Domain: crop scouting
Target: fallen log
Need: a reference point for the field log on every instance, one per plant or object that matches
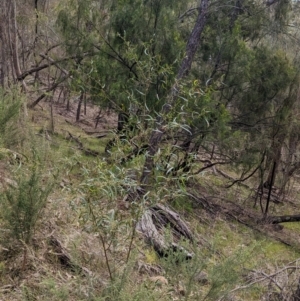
(246, 217)
(153, 224)
(64, 258)
(87, 151)
(283, 219)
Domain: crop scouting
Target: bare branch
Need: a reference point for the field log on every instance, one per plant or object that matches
(53, 87)
(51, 63)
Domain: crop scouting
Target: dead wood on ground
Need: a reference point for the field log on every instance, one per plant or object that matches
(247, 217)
(153, 225)
(64, 258)
(86, 150)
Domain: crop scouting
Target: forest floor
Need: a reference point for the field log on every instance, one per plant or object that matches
(67, 260)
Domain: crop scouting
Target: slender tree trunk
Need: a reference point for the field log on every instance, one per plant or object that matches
(52, 116)
(79, 107)
(290, 165)
(275, 159)
(160, 124)
(14, 43)
(84, 97)
(296, 295)
(2, 55)
(280, 132)
(2, 42)
(36, 19)
(6, 60)
(270, 189)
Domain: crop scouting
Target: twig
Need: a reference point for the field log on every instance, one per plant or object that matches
(87, 151)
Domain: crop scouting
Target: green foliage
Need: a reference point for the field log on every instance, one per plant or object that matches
(281, 14)
(225, 275)
(135, 52)
(101, 192)
(236, 82)
(270, 75)
(23, 201)
(251, 80)
(238, 96)
(10, 104)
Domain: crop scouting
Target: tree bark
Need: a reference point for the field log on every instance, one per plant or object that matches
(164, 215)
(14, 43)
(296, 295)
(6, 59)
(79, 107)
(270, 189)
(154, 220)
(55, 85)
(283, 219)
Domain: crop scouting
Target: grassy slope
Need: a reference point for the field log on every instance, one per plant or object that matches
(230, 254)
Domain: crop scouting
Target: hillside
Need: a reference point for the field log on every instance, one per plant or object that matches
(73, 257)
(149, 150)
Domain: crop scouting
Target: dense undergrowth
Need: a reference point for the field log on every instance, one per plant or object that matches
(68, 234)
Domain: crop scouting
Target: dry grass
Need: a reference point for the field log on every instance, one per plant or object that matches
(35, 272)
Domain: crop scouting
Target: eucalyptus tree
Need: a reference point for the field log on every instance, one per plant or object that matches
(10, 64)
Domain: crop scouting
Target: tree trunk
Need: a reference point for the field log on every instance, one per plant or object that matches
(5, 60)
(79, 107)
(2, 56)
(296, 295)
(270, 189)
(152, 225)
(160, 124)
(290, 162)
(158, 217)
(283, 219)
(52, 116)
(14, 43)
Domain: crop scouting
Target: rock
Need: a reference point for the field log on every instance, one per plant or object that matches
(159, 280)
(277, 227)
(202, 278)
(181, 289)
(150, 269)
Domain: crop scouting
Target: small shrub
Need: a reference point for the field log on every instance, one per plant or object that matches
(10, 105)
(22, 204)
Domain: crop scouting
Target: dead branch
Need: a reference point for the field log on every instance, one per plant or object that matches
(225, 175)
(87, 151)
(53, 87)
(260, 277)
(152, 225)
(244, 216)
(244, 179)
(51, 63)
(209, 164)
(54, 63)
(64, 258)
(283, 219)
